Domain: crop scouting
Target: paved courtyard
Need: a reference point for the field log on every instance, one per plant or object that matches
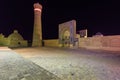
(15, 67)
(75, 64)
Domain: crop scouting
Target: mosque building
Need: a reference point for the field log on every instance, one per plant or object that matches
(13, 40)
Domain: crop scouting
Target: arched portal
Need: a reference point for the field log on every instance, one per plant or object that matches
(66, 38)
(67, 33)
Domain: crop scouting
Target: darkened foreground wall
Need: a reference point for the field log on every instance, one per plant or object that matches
(104, 42)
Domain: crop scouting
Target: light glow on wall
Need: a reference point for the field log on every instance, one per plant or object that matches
(37, 9)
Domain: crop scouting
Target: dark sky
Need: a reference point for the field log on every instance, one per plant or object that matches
(96, 16)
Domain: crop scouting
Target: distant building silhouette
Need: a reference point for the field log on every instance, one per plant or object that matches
(98, 34)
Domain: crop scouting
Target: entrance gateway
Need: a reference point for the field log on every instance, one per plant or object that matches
(67, 34)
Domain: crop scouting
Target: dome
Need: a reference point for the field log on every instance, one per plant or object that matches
(15, 36)
(98, 34)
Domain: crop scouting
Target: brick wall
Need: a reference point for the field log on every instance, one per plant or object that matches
(51, 43)
(105, 42)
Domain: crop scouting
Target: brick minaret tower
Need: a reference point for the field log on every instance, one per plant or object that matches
(37, 32)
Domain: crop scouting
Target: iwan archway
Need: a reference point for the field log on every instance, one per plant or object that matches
(66, 38)
(67, 33)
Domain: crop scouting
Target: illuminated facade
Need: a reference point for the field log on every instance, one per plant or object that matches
(67, 33)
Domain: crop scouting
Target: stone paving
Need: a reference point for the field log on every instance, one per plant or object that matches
(71, 64)
(78, 69)
(15, 67)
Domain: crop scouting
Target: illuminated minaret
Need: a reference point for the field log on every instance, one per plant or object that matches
(37, 32)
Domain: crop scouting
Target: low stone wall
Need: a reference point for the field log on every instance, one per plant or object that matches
(51, 43)
(105, 42)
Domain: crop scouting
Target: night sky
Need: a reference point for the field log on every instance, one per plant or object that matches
(96, 16)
